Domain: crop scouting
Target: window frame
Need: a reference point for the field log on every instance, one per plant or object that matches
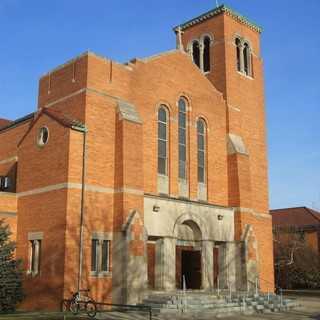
(98, 263)
(246, 59)
(204, 65)
(35, 245)
(198, 43)
(183, 143)
(243, 57)
(202, 150)
(238, 54)
(5, 182)
(209, 56)
(40, 141)
(165, 141)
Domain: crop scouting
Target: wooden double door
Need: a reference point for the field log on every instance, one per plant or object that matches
(188, 267)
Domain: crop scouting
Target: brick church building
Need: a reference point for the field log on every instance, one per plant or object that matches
(133, 177)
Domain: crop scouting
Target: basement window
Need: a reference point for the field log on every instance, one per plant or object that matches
(43, 136)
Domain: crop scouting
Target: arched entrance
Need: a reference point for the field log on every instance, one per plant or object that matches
(188, 254)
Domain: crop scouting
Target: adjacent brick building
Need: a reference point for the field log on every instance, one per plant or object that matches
(136, 176)
(301, 223)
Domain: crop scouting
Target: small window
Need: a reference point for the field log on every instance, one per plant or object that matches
(43, 136)
(35, 256)
(100, 256)
(238, 52)
(206, 54)
(196, 53)
(182, 138)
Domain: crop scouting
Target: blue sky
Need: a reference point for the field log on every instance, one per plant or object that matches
(38, 35)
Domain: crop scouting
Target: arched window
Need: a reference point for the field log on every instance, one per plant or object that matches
(182, 137)
(206, 54)
(246, 59)
(238, 48)
(196, 53)
(163, 140)
(201, 135)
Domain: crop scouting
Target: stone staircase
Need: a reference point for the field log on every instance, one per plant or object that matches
(218, 305)
(265, 303)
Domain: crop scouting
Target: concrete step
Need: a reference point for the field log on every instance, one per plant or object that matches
(196, 303)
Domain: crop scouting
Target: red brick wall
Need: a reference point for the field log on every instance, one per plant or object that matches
(122, 155)
(248, 180)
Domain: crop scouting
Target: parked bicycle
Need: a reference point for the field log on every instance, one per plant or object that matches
(81, 301)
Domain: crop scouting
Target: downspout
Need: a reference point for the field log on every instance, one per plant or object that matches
(84, 131)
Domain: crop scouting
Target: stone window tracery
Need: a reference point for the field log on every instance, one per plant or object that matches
(243, 56)
(200, 53)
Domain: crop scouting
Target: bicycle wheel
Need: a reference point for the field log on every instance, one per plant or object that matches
(74, 307)
(91, 309)
(65, 306)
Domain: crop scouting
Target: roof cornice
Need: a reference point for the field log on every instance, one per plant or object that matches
(219, 10)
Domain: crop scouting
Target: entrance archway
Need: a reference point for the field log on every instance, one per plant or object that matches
(188, 254)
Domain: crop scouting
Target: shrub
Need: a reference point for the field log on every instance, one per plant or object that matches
(11, 292)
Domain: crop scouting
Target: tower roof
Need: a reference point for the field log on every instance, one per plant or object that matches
(216, 11)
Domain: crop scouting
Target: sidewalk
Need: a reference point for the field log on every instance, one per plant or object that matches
(310, 310)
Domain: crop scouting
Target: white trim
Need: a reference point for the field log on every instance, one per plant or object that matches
(35, 235)
(233, 108)
(12, 159)
(8, 214)
(251, 211)
(130, 190)
(82, 90)
(8, 194)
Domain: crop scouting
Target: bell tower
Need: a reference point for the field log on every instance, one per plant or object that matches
(225, 46)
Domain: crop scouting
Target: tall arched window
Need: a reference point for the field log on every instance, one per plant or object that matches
(246, 59)
(196, 53)
(163, 140)
(206, 54)
(201, 135)
(182, 137)
(238, 48)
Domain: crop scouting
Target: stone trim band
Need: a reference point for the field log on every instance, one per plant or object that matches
(78, 186)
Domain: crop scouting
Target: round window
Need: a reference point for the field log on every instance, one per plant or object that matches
(43, 136)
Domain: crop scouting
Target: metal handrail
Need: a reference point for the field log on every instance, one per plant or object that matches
(125, 306)
(269, 282)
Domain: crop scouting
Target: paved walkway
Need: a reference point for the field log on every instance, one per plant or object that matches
(310, 310)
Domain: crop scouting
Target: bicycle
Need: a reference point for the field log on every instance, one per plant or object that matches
(81, 302)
